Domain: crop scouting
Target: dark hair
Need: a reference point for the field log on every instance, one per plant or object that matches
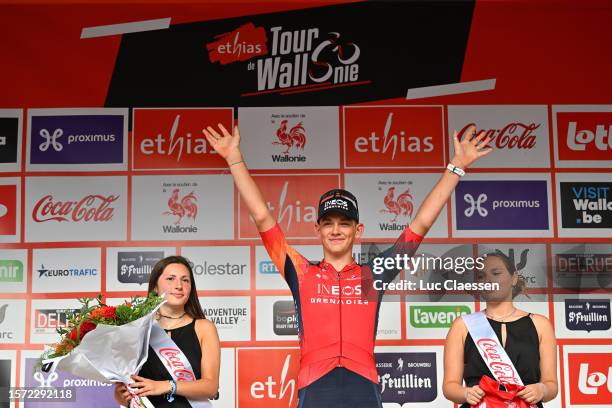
(521, 284)
(192, 307)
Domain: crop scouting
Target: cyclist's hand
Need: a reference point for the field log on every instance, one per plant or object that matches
(225, 144)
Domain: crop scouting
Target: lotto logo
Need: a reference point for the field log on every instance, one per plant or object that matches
(585, 136)
(594, 383)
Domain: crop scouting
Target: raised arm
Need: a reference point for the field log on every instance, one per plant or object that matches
(228, 147)
(467, 152)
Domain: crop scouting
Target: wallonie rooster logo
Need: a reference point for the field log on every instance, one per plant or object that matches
(182, 207)
(296, 136)
(400, 206)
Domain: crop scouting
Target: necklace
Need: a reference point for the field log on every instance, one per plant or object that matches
(175, 325)
(171, 317)
(501, 318)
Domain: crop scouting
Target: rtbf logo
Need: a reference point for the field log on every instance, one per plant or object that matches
(173, 139)
(268, 378)
(594, 383)
(584, 135)
(393, 136)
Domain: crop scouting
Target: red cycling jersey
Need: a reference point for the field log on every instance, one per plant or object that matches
(337, 310)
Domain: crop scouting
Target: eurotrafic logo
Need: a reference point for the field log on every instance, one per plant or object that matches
(11, 270)
(436, 316)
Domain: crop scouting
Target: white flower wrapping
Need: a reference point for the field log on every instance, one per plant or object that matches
(110, 354)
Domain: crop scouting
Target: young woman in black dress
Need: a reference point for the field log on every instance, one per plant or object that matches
(183, 320)
(529, 341)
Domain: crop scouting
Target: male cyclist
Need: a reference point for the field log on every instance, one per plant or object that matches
(336, 304)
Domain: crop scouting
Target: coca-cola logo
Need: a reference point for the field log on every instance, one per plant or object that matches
(515, 135)
(502, 371)
(174, 360)
(91, 208)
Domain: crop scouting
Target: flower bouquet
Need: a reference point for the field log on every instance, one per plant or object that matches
(105, 343)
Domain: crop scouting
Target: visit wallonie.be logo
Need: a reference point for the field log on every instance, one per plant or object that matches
(586, 205)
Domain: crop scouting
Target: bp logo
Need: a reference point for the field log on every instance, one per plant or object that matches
(436, 316)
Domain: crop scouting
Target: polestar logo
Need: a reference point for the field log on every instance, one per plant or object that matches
(2, 140)
(475, 205)
(51, 140)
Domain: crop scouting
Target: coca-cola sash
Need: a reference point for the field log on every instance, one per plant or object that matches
(489, 347)
(174, 360)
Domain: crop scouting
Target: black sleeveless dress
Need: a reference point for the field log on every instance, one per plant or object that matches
(186, 339)
(522, 346)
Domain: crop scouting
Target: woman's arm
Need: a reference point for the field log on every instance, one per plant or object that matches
(452, 385)
(208, 385)
(547, 388)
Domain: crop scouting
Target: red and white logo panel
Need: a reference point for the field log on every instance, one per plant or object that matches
(267, 377)
(588, 375)
(519, 133)
(173, 139)
(72, 209)
(10, 209)
(393, 136)
(182, 207)
(388, 202)
(582, 135)
(293, 201)
(290, 137)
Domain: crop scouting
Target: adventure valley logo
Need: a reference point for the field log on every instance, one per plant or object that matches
(289, 58)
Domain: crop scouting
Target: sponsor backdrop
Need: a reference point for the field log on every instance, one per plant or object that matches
(104, 170)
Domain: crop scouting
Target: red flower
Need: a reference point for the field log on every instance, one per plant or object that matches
(86, 327)
(104, 312)
(63, 348)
